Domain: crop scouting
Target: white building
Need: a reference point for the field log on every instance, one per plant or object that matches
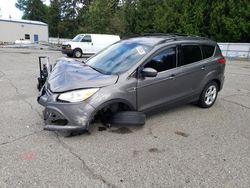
(12, 29)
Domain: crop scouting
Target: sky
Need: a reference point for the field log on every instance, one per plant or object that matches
(8, 9)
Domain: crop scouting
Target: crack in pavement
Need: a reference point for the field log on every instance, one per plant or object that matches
(241, 74)
(3, 74)
(233, 102)
(19, 95)
(87, 170)
(236, 103)
(19, 138)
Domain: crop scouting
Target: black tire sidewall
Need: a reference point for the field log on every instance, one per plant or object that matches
(70, 55)
(202, 97)
(77, 50)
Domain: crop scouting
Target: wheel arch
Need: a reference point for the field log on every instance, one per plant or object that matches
(115, 101)
(111, 102)
(211, 76)
(218, 82)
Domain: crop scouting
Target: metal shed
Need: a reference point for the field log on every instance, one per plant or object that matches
(13, 29)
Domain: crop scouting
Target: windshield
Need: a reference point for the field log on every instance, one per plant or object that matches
(119, 57)
(77, 38)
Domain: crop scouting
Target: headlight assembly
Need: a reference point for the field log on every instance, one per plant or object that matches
(78, 95)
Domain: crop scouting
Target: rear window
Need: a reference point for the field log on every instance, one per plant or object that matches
(208, 51)
(191, 54)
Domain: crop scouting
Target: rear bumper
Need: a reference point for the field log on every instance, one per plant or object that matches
(59, 116)
(222, 82)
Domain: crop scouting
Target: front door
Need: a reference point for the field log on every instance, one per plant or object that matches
(166, 86)
(87, 45)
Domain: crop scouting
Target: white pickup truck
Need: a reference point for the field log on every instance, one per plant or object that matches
(88, 44)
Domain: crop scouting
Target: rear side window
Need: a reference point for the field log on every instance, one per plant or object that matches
(86, 38)
(208, 51)
(165, 60)
(191, 54)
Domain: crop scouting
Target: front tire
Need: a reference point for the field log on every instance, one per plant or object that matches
(209, 95)
(77, 53)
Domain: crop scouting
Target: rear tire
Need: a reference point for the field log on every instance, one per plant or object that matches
(209, 95)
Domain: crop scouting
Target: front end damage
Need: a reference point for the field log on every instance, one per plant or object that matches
(67, 88)
(63, 116)
(60, 115)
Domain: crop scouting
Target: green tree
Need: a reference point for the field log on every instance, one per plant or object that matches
(69, 15)
(102, 17)
(127, 14)
(33, 10)
(222, 20)
(230, 20)
(55, 18)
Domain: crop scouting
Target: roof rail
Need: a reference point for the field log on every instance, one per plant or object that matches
(165, 34)
(181, 37)
(156, 34)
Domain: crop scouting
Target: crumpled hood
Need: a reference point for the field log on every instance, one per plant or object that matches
(71, 75)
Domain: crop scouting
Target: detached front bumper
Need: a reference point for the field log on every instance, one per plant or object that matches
(60, 116)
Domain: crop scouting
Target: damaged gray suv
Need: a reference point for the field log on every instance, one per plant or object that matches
(133, 75)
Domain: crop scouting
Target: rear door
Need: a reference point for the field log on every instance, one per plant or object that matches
(194, 69)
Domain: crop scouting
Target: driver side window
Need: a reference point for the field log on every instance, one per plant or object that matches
(163, 61)
(86, 38)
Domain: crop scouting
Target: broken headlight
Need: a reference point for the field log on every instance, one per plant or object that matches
(78, 95)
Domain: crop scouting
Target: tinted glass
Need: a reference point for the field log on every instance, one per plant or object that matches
(77, 38)
(27, 36)
(165, 60)
(208, 51)
(191, 54)
(86, 38)
(118, 57)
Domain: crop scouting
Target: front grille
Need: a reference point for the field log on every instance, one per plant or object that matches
(55, 118)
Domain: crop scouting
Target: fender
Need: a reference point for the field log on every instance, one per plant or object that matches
(213, 75)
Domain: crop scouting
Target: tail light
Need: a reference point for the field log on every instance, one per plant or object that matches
(222, 60)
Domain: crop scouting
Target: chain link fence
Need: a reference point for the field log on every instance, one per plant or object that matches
(235, 50)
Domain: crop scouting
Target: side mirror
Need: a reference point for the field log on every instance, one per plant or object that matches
(149, 72)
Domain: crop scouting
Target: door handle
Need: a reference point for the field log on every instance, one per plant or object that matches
(203, 68)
